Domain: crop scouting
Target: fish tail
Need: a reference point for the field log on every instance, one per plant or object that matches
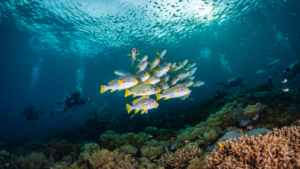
(103, 89)
(157, 96)
(128, 107)
(127, 93)
(132, 62)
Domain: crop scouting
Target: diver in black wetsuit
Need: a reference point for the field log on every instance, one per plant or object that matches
(235, 82)
(294, 69)
(30, 114)
(70, 102)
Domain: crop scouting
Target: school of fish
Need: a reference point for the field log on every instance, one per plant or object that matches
(154, 78)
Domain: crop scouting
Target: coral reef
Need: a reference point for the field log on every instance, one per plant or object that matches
(252, 110)
(278, 149)
(112, 140)
(181, 158)
(128, 149)
(33, 161)
(59, 149)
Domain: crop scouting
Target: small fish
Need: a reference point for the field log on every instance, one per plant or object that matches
(284, 81)
(162, 54)
(177, 68)
(259, 71)
(192, 71)
(144, 103)
(191, 78)
(153, 80)
(186, 141)
(198, 83)
(166, 78)
(174, 92)
(163, 85)
(249, 127)
(7, 164)
(142, 60)
(122, 72)
(286, 89)
(161, 70)
(184, 97)
(173, 65)
(142, 76)
(149, 135)
(174, 81)
(142, 89)
(191, 65)
(153, 157)
(154, 63)
(241, 131)
(273, 61)
(184, 62)
(120, 83)
(133, 54)
(188, 83)
(220, 144)
(142, 66)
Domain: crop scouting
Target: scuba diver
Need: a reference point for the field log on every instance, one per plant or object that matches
(235, 82)
(30, 114)
(294, 69)
(70, 102)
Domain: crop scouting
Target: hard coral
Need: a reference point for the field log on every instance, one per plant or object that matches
(107, 159)
(128, 149)
(278, 149)
(32, 161)
(181, 158)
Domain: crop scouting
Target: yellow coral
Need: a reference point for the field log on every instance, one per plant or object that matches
(251, 110)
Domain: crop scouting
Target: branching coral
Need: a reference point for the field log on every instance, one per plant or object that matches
(278, 149)
(181, 158)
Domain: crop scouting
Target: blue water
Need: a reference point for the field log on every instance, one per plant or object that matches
(48, 48)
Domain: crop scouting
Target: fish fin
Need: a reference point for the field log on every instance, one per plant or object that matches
(134, 95)
(128, 107)
(112, 90)
(156, 71)
(137, 54)
(144, 105)
(166, 98)
(180, 63)
(164, 91)
(136, 111)
(138, 59)
(120, 89)
(144, 111)
(158, 53)
(150, 63)
(103, 89)
(145, 96)
(157, 96)
(175, 71)
(111, 82)
(177, 91)
(189, 64)
(129, 54)
(127, 93)
(120, 81)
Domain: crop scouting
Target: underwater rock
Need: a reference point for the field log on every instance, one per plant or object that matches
(234, 135)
